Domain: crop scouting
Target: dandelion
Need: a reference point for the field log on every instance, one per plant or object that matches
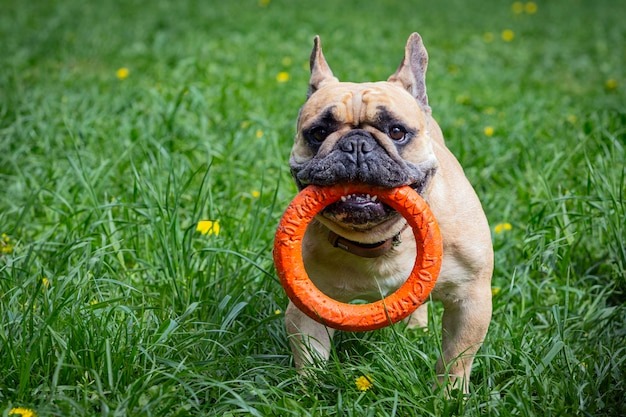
(363, 383)
(122, 73)
(495, 291)
(277, 311)
(256, 194)
(264, 3)
(22, 412)
(610, 84)
(507, 35)
(488, 130)
(502, 227)
(45, 282)
(517, 7)
(530, 7)
(208, 227)
(6, 247)
(259, 134)
(282, 77)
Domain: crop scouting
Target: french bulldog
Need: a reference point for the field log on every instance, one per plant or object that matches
(383, 134)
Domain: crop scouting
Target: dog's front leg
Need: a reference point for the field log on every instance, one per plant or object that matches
(310, 341)
(465, 323)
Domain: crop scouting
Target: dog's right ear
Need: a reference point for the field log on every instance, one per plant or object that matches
(320, 71)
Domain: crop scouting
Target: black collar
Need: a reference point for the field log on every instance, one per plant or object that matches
(364, 250)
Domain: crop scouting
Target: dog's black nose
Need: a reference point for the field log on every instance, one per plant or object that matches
(357, 144)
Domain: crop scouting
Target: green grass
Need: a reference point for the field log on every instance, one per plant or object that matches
(104, 180)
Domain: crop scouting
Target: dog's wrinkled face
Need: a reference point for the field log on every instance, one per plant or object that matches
(369, 133)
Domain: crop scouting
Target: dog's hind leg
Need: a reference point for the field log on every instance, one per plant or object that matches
(465, 322)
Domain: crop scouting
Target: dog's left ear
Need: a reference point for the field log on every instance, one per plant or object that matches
(411, 74)
(320, 71)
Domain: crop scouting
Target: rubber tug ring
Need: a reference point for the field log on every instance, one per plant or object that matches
(357, 317)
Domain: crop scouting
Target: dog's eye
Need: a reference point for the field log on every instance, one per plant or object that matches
(318, 133)
(397, 133)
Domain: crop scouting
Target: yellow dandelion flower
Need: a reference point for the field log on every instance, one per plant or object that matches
(256, 194)
(502, 227)
(6, 247)
(208, 227)
(489, 130)
(488, 37)
(530, 7)
(611, 84)
(517, 7)
(259, 134)
(508, 35)
(277, 311)
(364, 382)
(122, 73)
(22, 412)
(495, 291)
(282, 77)
(264, 3)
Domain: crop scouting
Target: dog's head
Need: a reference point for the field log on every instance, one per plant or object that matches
(370, 133)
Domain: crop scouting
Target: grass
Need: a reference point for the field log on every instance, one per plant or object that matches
(111, 302)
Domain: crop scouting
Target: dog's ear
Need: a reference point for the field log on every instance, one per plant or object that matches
(411, 74)
(320, 71)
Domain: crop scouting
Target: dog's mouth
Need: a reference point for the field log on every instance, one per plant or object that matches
(360, 211)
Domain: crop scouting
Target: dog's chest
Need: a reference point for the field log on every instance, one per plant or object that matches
(347, 277)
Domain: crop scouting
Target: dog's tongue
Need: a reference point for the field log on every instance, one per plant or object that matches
(358, 209)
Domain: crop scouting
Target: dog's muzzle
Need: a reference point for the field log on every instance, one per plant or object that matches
(356, 158)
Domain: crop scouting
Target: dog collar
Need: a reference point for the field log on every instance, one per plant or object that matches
(364, 250)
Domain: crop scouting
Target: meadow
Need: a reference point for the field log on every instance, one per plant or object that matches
(143, 170)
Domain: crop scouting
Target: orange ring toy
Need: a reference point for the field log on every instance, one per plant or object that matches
(357, 317)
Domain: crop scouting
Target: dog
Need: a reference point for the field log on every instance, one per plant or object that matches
(383, 134)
